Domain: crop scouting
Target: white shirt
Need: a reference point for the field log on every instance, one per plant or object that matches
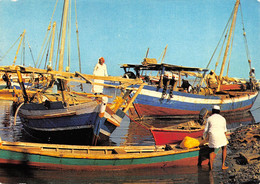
(216, 128)
(100, 70)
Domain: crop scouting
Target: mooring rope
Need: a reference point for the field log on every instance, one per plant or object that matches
(255, 109)
(16, 112)
(141, 124)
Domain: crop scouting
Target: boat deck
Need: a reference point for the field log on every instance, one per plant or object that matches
(94, 152)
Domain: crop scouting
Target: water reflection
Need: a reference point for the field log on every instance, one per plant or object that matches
(5, 118)
(152, 175)
(129, 133)
(238, 120)
(8, 132)
(138, 135)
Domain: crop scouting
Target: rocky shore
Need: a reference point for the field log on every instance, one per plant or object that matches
(243, 158)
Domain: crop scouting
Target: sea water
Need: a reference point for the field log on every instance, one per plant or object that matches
(129, 133)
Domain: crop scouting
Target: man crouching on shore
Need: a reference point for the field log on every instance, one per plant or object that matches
(215, 130)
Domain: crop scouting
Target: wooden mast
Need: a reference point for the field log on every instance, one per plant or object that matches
(52, 44)
(228, 44)
(63, 34)
(17, 51)
(62, 48)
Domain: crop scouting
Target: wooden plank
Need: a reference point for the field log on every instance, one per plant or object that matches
(70, 113)
(133, 98)
(249, 158)
(120, 151)
(13, 69)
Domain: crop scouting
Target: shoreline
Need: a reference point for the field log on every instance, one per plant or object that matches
(243, 157)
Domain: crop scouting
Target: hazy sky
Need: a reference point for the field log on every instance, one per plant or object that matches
(122, 30)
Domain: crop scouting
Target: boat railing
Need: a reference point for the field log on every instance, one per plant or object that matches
(78, 150)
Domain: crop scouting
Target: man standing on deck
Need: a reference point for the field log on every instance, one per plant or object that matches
(215, 130)
(99, 70)
(212, 79)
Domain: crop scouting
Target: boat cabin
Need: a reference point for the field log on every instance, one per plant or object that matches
(175, 78)
(165, 75)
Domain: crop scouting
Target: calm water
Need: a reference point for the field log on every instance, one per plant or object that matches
(129, 133)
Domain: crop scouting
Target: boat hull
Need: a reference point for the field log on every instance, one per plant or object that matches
(164, 136)
(149, 103)
(60, 124)
(35, 157)
(74, 136)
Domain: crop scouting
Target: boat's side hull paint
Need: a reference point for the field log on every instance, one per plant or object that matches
(149, 103)
(65, 123)
(162, 136)
(43, 161)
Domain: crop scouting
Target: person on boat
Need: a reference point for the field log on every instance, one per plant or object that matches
(186, 85)
(169, 80)
(252, 80)
(212, 79)
(7, 79)
(99, 70)
(215, 130)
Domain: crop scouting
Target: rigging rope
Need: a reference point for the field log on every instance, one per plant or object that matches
(223, 44)
(46, 46)
(46, 58)
(223, 33)
(220, 38)
(23, 52)
(61, 22)
(31, 52)
(231, 48)
(77, 32)
(10, 48)
(160, 56)
(245, 39)
(46, 35)
(44, 41)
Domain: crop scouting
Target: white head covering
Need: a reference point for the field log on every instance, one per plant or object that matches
(216, 107)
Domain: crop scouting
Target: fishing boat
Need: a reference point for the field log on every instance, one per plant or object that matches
(51, 156)
(10, 88)
(64, 115)
(176, 133)
(169, 95)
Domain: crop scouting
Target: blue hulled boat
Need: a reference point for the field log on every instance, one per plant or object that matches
(167, 95)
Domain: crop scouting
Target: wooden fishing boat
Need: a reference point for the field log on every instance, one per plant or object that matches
(169, 98)
(164, 134)
(152, 103)
(175, 134)
(69, 116)
(49, 156)
(10, 87)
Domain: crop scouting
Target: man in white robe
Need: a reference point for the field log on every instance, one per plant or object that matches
(99, 70)
(216, 129)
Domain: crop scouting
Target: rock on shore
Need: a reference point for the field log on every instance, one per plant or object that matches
(244, 156)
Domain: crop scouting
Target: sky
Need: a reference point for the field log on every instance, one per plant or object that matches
(121, 31)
